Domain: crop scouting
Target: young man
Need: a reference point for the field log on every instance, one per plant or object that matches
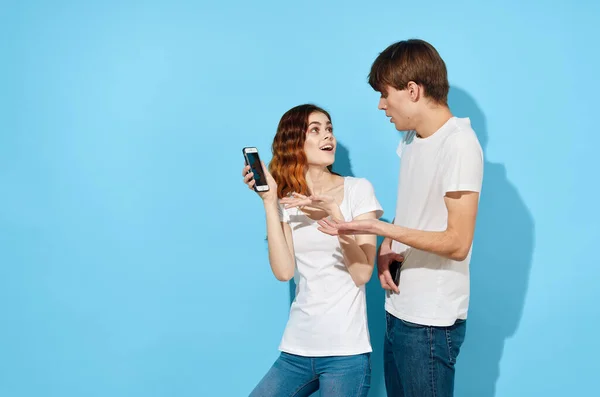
(441, 172)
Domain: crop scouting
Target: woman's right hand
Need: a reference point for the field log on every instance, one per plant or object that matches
(268, 196)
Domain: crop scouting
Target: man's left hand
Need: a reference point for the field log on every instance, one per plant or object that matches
(335, 228)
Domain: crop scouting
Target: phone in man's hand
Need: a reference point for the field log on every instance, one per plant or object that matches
(395, 271)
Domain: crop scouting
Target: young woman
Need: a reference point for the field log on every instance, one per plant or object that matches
(326, 343)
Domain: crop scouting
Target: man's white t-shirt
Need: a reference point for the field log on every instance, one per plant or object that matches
(434, 290)
(329, 314)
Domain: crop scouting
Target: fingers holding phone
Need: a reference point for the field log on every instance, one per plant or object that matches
(248, 177)
(388, 267)
(388, 277)
(257, 176)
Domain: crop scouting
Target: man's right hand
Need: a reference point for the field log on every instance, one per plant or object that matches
(386, 256)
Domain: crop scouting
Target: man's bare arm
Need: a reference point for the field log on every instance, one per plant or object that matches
(454, 242)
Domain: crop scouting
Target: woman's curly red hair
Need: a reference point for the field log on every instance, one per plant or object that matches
(288, 165)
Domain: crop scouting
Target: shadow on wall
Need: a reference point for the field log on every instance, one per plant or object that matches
(500, 266)
(375, 295)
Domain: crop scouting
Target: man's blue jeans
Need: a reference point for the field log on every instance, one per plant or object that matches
(419, 360)
(297, 376)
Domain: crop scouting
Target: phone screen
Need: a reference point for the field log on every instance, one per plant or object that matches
(257, 170)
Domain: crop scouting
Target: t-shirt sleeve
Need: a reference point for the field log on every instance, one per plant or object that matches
(365, 199)
(463, 170)
(283, 214)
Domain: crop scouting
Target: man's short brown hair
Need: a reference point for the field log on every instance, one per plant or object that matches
(411, 60)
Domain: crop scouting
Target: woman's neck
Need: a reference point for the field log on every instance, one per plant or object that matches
(319, 179)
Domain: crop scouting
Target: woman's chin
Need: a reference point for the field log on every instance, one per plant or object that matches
(328, 159)
(321, 163)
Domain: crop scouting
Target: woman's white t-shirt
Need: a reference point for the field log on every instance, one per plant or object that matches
(328, 317)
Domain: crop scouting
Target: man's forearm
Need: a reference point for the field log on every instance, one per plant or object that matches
(387, 241)
(446, 243)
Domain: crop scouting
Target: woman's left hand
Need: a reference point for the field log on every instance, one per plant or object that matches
(322, 202)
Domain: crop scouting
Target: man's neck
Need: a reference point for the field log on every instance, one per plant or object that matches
(433, 120)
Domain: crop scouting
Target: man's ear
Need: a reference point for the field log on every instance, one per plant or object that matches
(414, 91)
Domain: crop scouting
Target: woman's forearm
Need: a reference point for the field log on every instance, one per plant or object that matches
(355, 257)
(280, 250)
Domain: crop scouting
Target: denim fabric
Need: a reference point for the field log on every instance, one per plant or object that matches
(419, 360)
(297, 376)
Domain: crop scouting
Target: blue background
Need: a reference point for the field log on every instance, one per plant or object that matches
(132, 257)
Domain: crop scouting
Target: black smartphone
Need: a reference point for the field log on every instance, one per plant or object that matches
(253, 160)
(395, 271)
